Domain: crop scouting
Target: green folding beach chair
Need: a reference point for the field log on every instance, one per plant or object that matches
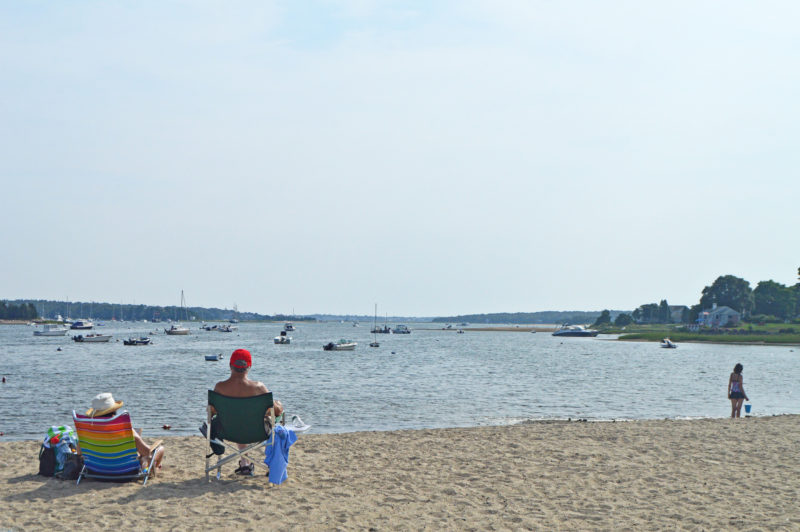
(245, 420)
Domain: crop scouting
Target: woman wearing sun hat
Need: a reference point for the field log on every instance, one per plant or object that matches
(104, 405)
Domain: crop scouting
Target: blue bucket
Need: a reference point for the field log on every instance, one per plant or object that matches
(747, 408)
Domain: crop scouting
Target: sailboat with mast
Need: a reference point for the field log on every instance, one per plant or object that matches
(374, 342)
(381, 330)
(176, 329)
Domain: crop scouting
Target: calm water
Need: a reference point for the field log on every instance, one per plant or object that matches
(428, 379)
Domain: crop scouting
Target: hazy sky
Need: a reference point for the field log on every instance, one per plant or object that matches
(434, 157)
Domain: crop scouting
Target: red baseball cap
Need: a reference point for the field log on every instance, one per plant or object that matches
(241, 359)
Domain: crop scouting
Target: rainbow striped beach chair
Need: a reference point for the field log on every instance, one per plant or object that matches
(108, 448)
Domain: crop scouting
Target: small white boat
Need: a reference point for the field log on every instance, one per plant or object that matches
(401, 329)
(92, 338)
(668, 344)
(177, 330)
(341, 345)
(227, 328)
(216, 357)
(81, 325)
(283, 338)
(142, 340)
(288, 326)
(51, 330)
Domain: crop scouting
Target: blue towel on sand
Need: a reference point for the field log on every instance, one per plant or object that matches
(277, 454)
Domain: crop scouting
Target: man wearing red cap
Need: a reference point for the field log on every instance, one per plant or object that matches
(238, 385)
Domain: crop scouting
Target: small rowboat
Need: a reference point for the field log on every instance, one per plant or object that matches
(214, 358)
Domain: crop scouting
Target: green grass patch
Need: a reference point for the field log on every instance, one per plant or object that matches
(677, 336)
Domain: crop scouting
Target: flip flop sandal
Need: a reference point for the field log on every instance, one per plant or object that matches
(245, 470)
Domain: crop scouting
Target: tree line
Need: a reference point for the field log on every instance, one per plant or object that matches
(548, 316)
(23, 311)
(49, 310)
(767, 302)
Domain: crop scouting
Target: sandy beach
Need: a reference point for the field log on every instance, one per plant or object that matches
(716, 474)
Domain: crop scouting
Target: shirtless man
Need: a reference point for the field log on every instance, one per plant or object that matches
(238, 385)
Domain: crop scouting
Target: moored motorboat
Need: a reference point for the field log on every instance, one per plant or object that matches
(283, 338)
(177, 330)
(81, 325)
(341, 345)
(668, 344)
(142, 340)
(575, 330)
(92, 338)
(401, 329)
(227, 328)
(288, 326)
(51, 330)
(214, 357)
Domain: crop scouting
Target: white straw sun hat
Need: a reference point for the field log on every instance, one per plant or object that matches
(102, 404)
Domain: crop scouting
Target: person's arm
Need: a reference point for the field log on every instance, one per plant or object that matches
(730, 382)
(741, 387)
(216, 389)
(141, 446)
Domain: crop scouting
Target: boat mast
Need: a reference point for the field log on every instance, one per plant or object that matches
(183, 306)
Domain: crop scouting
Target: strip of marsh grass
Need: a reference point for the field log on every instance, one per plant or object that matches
(714, 338)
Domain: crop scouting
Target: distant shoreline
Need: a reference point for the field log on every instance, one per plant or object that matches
(504, 328)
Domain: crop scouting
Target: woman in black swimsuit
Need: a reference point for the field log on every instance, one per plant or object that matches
(736, 391)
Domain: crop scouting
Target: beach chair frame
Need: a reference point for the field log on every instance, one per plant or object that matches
(244, 420)
(109, 449)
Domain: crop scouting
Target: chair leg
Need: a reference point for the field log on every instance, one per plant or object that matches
(208, 438)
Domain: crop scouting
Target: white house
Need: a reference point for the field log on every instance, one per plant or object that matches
(719, 317)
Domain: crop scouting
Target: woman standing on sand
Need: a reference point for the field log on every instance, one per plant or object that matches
(736, 391)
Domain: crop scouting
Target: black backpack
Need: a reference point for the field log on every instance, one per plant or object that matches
(216, 448)
(47, 461)
(73, 464)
